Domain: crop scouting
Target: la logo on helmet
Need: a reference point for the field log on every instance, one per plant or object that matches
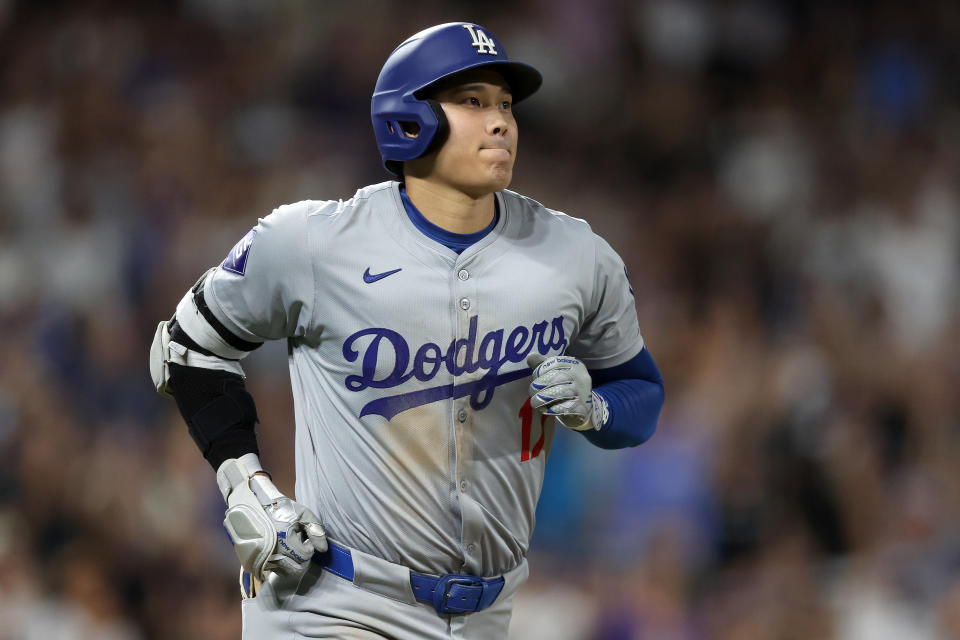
(481, 41)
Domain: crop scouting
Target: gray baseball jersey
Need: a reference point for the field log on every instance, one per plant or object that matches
(415, 440)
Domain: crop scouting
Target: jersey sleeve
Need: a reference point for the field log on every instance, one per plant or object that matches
(264, 288)
(610, 334)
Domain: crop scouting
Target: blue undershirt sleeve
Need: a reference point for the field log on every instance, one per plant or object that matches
(634, 395)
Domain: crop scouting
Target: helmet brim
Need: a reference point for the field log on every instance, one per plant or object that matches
(522, 79)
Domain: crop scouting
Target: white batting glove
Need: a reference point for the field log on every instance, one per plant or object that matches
(270, 532)
(562, 387)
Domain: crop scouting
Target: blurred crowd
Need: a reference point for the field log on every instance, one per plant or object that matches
(782, 179)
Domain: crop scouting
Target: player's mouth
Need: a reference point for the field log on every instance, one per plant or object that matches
(496, 152)
(496, 144)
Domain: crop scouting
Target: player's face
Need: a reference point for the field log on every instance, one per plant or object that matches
(478, 155)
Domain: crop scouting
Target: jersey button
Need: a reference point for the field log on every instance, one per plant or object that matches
(462, 415)
(464, 303)
(464, 274)
(471, 548)
(463, 485)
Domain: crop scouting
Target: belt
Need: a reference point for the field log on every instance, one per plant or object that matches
(450, 594)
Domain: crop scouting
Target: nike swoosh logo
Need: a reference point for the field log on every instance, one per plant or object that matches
(370, 278)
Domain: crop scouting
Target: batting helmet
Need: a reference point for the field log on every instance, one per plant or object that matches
(421, 61)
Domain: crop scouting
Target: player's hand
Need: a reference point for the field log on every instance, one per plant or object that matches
(562, 387)
(270, 532)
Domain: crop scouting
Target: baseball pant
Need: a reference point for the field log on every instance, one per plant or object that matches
(325, 605)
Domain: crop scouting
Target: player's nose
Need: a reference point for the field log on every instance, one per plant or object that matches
(497, 124)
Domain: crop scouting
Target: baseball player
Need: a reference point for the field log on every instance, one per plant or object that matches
(437, 325)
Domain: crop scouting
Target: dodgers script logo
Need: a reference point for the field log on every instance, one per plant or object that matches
(465, 355)
(481, 41)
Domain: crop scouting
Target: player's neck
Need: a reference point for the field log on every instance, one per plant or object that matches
(450, 208)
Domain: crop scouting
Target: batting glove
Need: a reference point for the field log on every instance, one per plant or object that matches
(562, 387)
(270, 532)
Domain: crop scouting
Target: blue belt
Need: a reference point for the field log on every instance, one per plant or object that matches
(449, 594)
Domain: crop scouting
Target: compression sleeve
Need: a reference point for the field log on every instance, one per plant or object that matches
(634, 395)
(219, 411)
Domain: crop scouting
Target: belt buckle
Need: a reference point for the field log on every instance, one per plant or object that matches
(440, 593)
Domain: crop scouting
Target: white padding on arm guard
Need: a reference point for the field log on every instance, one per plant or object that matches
(159, 357)
(197, 327)
(163, 351)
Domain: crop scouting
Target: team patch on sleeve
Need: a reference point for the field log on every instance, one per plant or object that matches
(236, 260)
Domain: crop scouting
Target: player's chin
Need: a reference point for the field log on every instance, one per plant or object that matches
(499, 174)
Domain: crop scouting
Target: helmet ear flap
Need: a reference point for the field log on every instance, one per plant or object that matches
(439, 137)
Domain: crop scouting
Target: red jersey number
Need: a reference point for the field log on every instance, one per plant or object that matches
(526, 422)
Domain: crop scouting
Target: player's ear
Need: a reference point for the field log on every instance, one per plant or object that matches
(410, 129)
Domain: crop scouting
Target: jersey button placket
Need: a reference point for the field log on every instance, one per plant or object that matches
(464, 294)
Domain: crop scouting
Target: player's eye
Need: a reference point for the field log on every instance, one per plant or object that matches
(506, 105)
(473, 101)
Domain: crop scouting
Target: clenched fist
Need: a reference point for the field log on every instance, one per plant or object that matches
(562, 387)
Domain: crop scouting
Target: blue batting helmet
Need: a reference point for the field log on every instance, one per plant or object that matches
(423, 60)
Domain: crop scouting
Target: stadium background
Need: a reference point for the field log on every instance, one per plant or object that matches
(780, 177)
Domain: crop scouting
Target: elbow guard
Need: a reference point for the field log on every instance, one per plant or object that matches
(219, 411)
(194, 337)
